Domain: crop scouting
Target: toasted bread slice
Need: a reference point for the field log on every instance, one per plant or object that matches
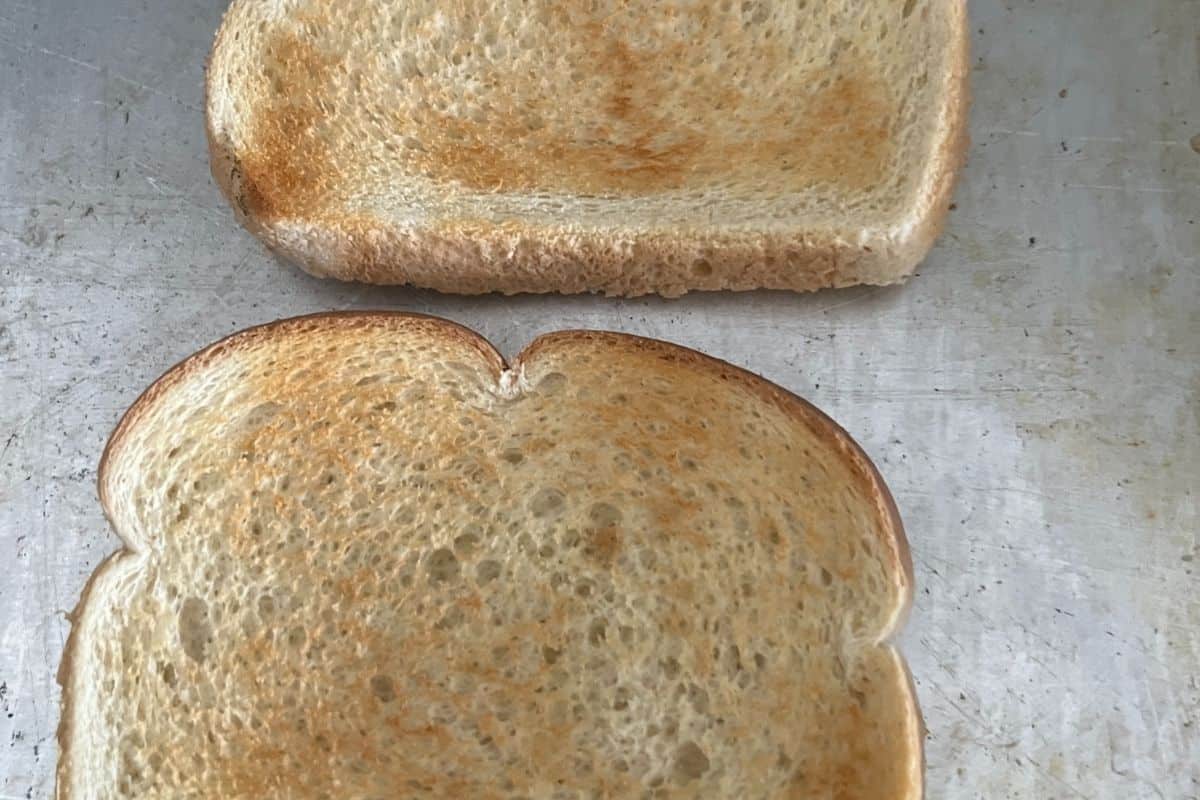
(626, 147)
(365, 558)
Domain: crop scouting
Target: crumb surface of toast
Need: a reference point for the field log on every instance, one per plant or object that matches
(366, 558)
(627, 147)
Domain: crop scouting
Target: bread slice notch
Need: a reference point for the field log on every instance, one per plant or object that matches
(365, 558)
(621, 147)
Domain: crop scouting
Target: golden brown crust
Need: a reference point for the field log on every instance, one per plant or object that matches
(917, 731)
(952, 153)
(66, 668)
(220, 155)
(478, 256)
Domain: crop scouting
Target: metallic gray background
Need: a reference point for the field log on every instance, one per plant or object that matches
(1033, 398)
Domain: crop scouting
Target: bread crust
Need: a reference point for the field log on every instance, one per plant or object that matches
(64, 735)
(952, 153)
(475, 255)
(888, 521)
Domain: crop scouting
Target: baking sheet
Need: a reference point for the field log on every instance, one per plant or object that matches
(1032, 398)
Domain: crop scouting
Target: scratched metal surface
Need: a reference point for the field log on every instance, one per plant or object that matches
(1033, 398)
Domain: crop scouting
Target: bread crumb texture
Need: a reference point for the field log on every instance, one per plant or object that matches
(358, 136)
(358, 569)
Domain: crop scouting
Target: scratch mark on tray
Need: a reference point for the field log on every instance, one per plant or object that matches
(1008, 132)
(1048, 774)
(863, 295)
(1114, 188)
(97, 69)
(154, 184)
